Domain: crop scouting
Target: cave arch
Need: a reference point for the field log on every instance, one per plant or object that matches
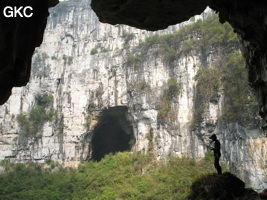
(113, 133)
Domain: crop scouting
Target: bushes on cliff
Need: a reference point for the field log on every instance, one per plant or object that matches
(135, 60)
(31, 122)
(208, 83)
(172, 90)
(67, 59)
(127, 38)
(239, 103)
(201, 36)
(230, 78)
(227, 73)
(93, 51)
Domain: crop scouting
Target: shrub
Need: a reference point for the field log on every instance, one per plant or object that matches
(165, 112)
(67, 59)
(127, 37)
(104, 50)
(239, 101)
(208, 81)
(32, 122)
(173, 88)
(70, 60)
(93, 51)
(142, 85)
(135, 60)
(170, 56)
(199, 36)
(230, 75)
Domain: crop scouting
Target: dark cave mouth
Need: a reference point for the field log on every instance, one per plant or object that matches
(112, 134)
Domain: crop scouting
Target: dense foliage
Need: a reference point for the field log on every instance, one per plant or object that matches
(240, 104)
(120, 176)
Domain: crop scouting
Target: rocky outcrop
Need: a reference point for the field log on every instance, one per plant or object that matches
(220, 187)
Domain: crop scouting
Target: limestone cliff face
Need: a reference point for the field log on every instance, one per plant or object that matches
(91, 73)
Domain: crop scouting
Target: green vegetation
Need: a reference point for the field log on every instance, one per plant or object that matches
(142, 85)
(149, 137)
(239, 103)
(88, 115)
(165, 112)
(98, 94)
(67, 59)
(53, 57)
(93, 51)
(39, 67)
(32, 122)
(230, 76)
(104, 50)
(227, 73)
(30, 181)
(135, 60)
(127, 38)
(70, 60)
(120, 176)
(173, 88)
(200, 36)
(208, 83)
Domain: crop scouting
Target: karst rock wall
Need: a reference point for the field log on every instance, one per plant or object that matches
(84, 83)
(247, 18)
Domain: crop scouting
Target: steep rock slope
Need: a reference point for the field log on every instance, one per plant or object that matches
(86, 74)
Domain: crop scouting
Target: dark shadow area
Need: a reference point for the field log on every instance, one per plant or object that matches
(110, 135)
(221, 187)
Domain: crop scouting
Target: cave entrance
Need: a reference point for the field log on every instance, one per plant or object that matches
(112, 134)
